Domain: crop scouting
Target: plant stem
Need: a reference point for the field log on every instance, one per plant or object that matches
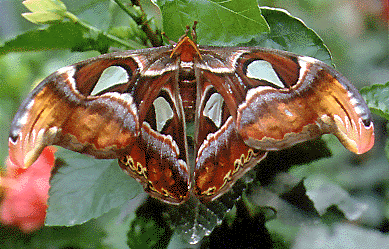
(127, 44)
(155, 39)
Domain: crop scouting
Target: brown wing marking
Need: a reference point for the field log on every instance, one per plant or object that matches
(221, 160)
(56, 112)
(320, 101)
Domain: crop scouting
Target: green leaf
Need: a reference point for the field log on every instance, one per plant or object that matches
(341, 235)
(65, 35)
(128, 33)
(283, 160)
(149, 229)
(325, 194)
(88, 235)
(377, 98)
(42, 17)
(44, 11)
(153, 12)
(83, 188)
(220, 22)
(44, 5)
(291, 34)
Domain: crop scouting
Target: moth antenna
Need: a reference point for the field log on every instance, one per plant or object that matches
(182, 37)
(187, 29)
(194, 34)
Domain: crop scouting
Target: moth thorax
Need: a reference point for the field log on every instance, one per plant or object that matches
(186, 73)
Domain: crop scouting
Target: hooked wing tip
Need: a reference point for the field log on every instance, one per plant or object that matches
(357, 138)
(22, 156)
(366, 140)
(15, 153)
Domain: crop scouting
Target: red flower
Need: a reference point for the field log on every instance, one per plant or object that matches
(385, 10)
(26, 191)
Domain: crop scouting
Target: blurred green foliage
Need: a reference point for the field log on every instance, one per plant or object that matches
(355, 32)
